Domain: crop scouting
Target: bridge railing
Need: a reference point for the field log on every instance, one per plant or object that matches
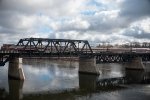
(121, 50)
(9, 51)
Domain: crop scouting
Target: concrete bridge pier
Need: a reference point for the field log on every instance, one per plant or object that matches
(15, 70)
(87, 65)
(135, 64)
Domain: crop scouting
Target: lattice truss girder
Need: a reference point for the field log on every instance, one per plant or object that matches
(41, 45)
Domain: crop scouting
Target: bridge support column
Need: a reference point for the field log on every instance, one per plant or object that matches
(88, 65)
(15, 70)
(135, 64)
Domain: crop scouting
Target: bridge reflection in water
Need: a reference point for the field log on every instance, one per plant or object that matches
(84, 86)
(88, 84)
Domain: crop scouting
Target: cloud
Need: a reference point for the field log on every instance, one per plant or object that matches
(94, 20)
(28, 16)
(104, 21)
(136, 32)
(70, 24)
(135, 9)
(53, 8)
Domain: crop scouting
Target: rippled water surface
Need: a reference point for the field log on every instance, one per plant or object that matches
(59, 80)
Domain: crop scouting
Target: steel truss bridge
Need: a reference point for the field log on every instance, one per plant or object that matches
(44, 47)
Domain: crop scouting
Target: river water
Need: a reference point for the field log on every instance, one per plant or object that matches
(59, 80)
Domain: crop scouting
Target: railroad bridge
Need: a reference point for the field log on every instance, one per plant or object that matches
(44, 47)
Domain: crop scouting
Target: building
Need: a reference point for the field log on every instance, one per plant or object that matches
(8, 47)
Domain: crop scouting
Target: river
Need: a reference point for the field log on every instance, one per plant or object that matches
(59, 80)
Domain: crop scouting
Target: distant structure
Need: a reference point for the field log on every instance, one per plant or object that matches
(126, 45)
(8, 47)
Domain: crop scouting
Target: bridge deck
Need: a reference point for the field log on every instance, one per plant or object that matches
(100, 57)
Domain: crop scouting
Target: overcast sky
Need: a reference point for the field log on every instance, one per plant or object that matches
(115, 21)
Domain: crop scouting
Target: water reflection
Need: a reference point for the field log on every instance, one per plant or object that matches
(59, 80)
(111, 70)
(137, 76)
(92, 83)
(15, 90)
(88, 84)
(50, 76)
